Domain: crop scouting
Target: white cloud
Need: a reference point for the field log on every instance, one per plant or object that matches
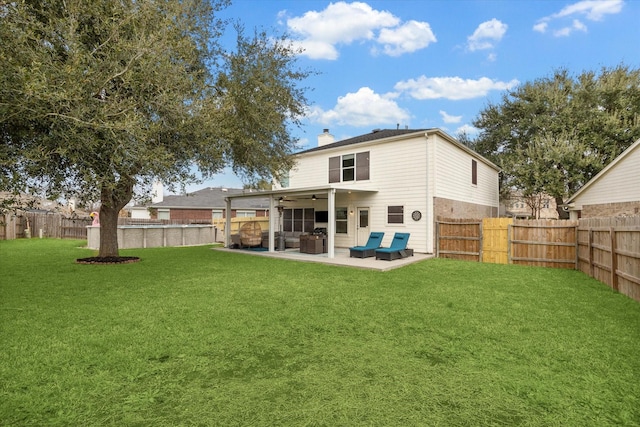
(448, 118)
(454, 88)
(316, 49)
(566, 31)
(592, 10)
(363, 108)
(541, 27)
(321, 33)
(407, 38)
(468, 130)
(487, 34)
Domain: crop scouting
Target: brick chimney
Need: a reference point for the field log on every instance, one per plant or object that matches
(325, 138)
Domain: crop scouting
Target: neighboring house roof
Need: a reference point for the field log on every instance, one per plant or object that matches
(380, 134)
(599, 177)
(211, 198)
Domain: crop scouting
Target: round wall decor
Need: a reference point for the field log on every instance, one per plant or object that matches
(416, 215)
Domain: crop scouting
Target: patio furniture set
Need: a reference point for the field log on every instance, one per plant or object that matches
(397, 249)
(251, 236)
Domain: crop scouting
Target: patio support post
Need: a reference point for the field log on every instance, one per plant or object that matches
(273, 212)
(331, 226)
(227, 223)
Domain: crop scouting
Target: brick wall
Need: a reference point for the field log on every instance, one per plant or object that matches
(611, 209)
(201, 214)
(448, 208)
(190, 214)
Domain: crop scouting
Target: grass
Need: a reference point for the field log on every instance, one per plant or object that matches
(191, 336)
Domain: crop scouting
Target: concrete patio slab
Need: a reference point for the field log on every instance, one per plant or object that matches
(341, 258)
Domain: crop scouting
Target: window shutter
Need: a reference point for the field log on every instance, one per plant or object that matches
(362, 166)
(334, 169)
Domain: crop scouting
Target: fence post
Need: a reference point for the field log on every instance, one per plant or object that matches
(437, 239)
(509, 243)
(480, 241)
(577, 248)
(590, 247)
(614, 259)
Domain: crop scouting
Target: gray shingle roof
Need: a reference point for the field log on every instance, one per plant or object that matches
(211, 198)
(372, 136)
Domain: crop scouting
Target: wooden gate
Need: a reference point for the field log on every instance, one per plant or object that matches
(495, 242)
(459, 239)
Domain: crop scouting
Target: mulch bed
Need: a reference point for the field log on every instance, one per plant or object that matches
(108, 260)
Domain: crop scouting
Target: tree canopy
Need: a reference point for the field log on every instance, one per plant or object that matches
(554, 134)
(98, 98)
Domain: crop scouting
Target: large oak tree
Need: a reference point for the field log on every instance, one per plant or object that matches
(98, 98)
(554, 134)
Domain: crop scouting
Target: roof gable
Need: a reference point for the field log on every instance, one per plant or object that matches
(626, 153)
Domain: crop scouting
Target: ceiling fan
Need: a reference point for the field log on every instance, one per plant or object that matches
(284, 199)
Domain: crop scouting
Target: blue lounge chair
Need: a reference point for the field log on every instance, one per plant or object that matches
(368, 250)
(398, 248)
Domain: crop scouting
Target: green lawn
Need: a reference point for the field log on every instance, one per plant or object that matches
(192, 336)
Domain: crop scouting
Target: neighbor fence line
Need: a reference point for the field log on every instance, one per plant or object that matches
(607, 249)
(38, 224)
(57, 225)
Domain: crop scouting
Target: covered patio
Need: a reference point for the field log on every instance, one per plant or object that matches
(277, 198)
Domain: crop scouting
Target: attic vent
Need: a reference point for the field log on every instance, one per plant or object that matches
(224, 189)
(376, 130)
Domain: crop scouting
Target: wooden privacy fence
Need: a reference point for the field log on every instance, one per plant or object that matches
(607, 249)
(15, 226)
(483, 240)
(495, 242)
(459, 239)
(543, 243)
(237, 223)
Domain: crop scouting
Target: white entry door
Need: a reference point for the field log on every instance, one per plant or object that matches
(362, 226)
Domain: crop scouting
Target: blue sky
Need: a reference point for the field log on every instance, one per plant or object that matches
(434, 63)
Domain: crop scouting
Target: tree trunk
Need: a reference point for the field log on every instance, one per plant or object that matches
(112, 200)
(108, 232)
(562, 214)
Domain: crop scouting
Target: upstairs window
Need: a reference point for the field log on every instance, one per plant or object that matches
(284, 180)
(474, 172)
(349, 167)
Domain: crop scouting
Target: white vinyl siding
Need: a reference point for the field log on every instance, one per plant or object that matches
(454, 177)
(408, 172)
(619, 184)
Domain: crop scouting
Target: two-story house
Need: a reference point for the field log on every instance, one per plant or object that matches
(391, 180)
